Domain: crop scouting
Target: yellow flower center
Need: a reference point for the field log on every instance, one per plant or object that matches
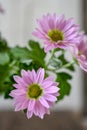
(34, 91)
(80, 53)
(56, 35)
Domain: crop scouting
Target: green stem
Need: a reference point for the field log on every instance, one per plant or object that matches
(52, 70)
(52, 54)
(64, 66)
(12, 63)
(68, 64)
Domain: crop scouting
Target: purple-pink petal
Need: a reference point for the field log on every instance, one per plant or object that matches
(29, 114)
(40, 75)
(50, 97)
(44, 102)
(31, 105)
(79, 52)
(51, 89)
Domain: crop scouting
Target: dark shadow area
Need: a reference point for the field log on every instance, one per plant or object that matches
(56, 121)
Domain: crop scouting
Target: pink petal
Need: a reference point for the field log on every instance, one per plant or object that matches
(29, 114)
(52, 89)
(69, 24)
(20, 80)
(43, 26)
(18, 107)
(47, 84)
(44, 102)
(17, 92)
(40, 75)
(25, 77)
(40, 110)
(34, 75)
(31, 105)
(49, 47)
(17, 86)
(38, 33)
(50, 97)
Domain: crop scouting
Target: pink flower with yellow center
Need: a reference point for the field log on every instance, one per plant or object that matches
(33, 93)
(80, 52)
(57, 32)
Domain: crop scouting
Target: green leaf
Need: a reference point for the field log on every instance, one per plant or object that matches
(3, 45)
(65, 76)
(6, 73)
(37, 53)
(72, 68)
(4, 70)
(8, 88)
(64, 85)
(62, 58)
(4, 58)
(64, 90)
(20, 53)
(34, 54)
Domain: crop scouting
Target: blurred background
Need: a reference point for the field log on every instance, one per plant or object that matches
(17, 22)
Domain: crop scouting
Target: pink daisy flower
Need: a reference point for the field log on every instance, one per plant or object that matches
(34, 93)
(57, 32)
(80, 52)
